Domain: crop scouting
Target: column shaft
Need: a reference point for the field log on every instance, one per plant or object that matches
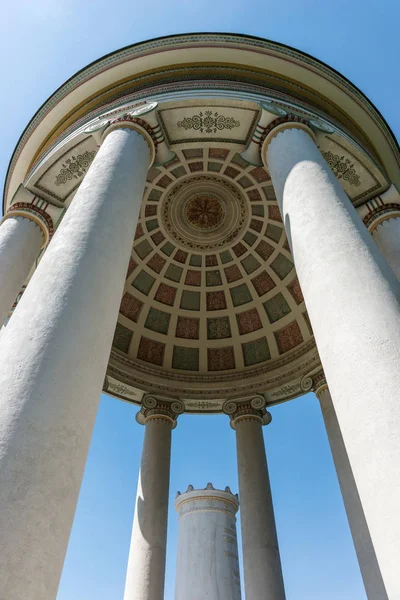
(353, 300)
(261, 560)
(146, 565)
(54, 354)
(366, 556)
(387, 237)
(20, 243)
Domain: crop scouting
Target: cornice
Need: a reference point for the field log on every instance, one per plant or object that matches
(232, 41)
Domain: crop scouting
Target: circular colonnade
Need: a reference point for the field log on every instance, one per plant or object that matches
(202, 190)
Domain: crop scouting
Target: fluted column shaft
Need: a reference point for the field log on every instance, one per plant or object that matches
(20, 242)
(54, 354)
(261, 560)
(353, 300)
(366, 556)
(145, 576)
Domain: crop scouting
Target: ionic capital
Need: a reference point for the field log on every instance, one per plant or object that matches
(35, 213)
(314, 381)
(269, 112)
(156, 407)
(273, 120)
(279, 125)
(252, 408)
(380, 209)
(142, 118)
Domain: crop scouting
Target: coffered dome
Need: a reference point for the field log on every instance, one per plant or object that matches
(212, 308)
(211, 288)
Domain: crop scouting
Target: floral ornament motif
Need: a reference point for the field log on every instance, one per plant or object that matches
(219, 329)
(208, 122)
(204, 212)
(203, 405)
(75, 167)
(342, 167)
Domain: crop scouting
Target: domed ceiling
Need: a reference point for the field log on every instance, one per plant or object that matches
(211, 286)
(212, 308)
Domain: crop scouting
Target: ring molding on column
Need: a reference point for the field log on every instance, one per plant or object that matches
(46, 228)
(126, 123)
(387, 213)
(279, 129)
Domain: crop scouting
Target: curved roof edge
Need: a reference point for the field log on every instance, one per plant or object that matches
(242, 36)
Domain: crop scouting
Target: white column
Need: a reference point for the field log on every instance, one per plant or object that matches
(261, 560)
(382, 217)
(146, 565)
(366, 556)
(54, 354)
(207, 559)
(353, 300)
(387, 236)
(21, 239)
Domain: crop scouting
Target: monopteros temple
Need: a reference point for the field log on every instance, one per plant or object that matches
(204, 223)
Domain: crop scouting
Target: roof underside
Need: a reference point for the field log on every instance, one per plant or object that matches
(212, 307)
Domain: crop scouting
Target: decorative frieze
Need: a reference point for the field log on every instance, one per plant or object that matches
(208, 122)
(74, 167)
(342, 167)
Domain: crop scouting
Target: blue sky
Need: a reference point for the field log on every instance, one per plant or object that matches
(44, 42)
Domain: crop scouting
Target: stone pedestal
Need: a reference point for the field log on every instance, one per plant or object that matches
(54, 354)
(207, 562)
(353, 301)
(146, 566)
(21, 239)
(261, 559)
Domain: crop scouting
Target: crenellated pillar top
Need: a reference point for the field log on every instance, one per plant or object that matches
(159, 408)
(251, 408)
(208, 498)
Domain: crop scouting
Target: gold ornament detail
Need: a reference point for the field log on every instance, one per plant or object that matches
(75, 167)
(204, 212)
(342, 167)
(208, 122)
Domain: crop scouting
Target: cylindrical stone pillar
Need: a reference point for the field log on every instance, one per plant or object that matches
(353, 300)
(146, 565)
(366, 556)
(21, 238)
(386, 234)
(382, 217)
(261, 560)
(54, 354)
(207, 561)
